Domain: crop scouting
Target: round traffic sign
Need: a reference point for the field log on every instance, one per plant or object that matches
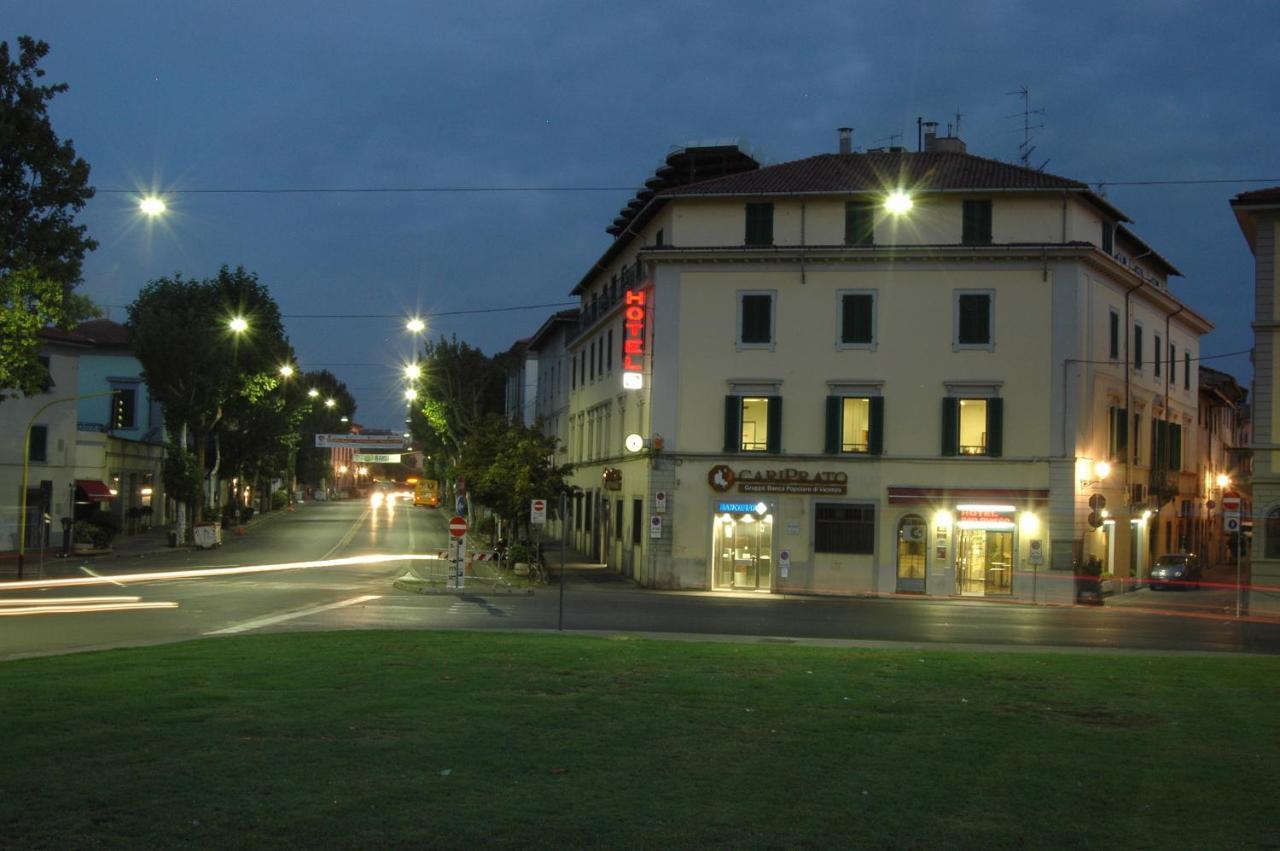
(539, 505)
(458, 527)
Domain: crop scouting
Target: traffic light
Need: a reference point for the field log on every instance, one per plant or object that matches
(1097, 502)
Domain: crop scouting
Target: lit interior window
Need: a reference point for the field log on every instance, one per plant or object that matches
(856, 426)
(973, 426)
(755, 424)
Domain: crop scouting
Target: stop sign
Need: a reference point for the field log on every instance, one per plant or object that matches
(458, 527)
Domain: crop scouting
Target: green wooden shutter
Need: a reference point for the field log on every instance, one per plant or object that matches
(995, 427)
(1175, 446)
(773, 442)
(833, 425)
(950, 423)
(876, 440)
(1158, 459)
(1122, 432)
(732, 423)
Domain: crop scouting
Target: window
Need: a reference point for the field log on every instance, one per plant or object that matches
(617, 519)
(855, 424)
(1117, 433)
(1156, 350)
(1137, 438)
(38, 448)
(637, 520)
(658, 237)
(1173, 364)
(124, 408)
(577, 511)
(755, 319)
(1186, 370)
(1273, 533)
(973, 319)
(1166, 445)
(586, 520)
(859, 223)
(753, 424)
(759, 224)
(46, 383)
(972, 426)
(1115, 335)
(1137, 347)
(857, 319)
(609, 349)
(977, 223)
(1108, 237)
(591, 358)
(844, 528)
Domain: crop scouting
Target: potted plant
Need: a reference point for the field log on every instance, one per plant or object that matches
(82, 536)
(519, 557)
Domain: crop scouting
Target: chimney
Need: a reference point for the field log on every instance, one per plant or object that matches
(930, 134)
(846, 139)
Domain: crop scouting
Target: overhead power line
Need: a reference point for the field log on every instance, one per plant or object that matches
(430, 314)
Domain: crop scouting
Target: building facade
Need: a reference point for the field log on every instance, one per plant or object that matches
(882, 372)
(1258, 214)
(1223, 469)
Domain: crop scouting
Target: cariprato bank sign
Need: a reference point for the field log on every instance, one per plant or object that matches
(722, 478)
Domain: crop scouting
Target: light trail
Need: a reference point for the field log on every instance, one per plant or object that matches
(66, 610)
(64, 601)
(197, 573)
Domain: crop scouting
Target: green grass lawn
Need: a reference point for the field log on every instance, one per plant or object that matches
(423, 739)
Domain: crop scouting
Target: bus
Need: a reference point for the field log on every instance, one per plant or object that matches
(427, 492)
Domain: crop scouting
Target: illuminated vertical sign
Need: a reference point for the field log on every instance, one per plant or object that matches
(635, 317)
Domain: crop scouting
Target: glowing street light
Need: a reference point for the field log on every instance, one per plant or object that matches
(1102, 469)
(410, 394)
(238, 324)
(313, 392)
(329, 403)
(345, 419)
(415, 325)
(898, 202)
(1223, 480)
(152, 206)
(413, 372)
(286, 371)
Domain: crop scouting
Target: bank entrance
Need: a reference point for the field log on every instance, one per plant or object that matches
(742, 546)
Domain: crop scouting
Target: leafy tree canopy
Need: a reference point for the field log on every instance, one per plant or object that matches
(43, 184)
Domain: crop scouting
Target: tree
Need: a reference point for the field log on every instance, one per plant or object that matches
(192, 361)
(318, 418)
(43, 184)
(507, 465)
(460, 386)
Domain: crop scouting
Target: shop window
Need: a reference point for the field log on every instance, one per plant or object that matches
(973, 319)
(857, 319)
(973, 427)
(977, 223)
(759, 224)
(753, 424)
(755, 319)
(844, 528)
(1273, 533)
(859, 223)
(855, 425)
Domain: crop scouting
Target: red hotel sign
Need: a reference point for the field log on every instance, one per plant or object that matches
(635, 317)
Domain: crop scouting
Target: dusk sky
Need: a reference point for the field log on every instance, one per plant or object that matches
(590, 96)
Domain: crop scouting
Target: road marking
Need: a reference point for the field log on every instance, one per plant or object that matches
(99, 576)
(346, 539)
(269, 620)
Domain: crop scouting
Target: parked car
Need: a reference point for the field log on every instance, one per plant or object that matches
(1176, 570)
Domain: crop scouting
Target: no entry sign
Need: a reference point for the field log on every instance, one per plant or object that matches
(538, 512)
(458, 527)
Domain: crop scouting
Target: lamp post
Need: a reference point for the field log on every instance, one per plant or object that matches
(26, 469)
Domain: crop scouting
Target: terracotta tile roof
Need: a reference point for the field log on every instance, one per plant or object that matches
(937, 171)
(1270, 195)
(104, 332)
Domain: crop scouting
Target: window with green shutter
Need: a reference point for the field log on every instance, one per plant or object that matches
(950, 431)
(855, 425)
(973, 318)
(977, 223)
(857, 318)
(755, 319)
(759, 224)
(38, 448)
(859, 223)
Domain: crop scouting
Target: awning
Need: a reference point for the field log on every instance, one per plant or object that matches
(95, 489)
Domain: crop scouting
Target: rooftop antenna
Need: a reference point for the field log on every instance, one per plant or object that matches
(1025, 149)
(890, 138)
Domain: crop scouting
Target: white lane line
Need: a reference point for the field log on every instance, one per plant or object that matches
(346, 539)
(269, 620)
(99, 576)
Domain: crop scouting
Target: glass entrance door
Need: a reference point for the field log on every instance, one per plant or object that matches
(984, 562)
(911, 552)
(742, 551)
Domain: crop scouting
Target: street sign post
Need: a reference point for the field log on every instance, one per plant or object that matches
(458, 552)
(458, 527)
(538, 512)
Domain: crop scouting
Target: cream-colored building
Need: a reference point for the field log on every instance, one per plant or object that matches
(1259, 216)
(881, 372)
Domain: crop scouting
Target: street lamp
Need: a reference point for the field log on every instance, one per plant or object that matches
(286, 371)
(313, 393)
(898, 202)
(152, 206)
(410, 394)
(413, 372)
(1223, 480)
(238, 324)
(330, 402)
(415, 325)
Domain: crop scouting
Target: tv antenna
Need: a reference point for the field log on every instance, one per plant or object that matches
(1025, 149)
(890, 139)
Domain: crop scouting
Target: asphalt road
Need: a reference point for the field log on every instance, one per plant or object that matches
(321, 581)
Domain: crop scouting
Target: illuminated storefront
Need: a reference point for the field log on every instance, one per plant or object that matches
(742, 556)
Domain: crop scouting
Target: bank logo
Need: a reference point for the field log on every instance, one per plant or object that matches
(720, 478)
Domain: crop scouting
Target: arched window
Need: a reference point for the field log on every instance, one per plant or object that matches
(1273, 533)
